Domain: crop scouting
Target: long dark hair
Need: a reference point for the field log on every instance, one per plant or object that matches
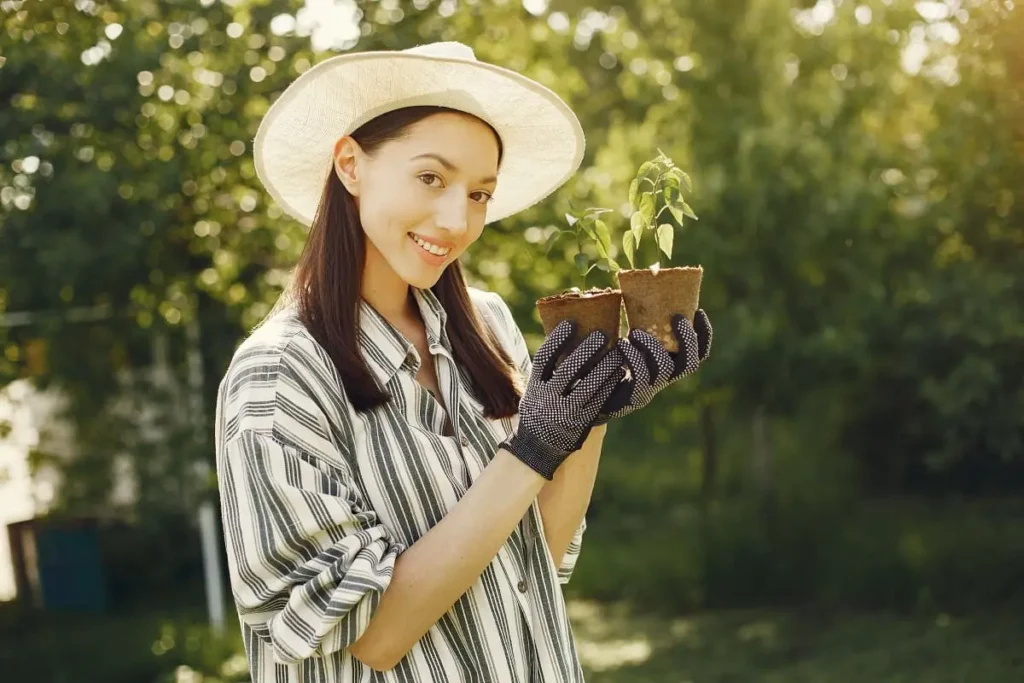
(327, 286)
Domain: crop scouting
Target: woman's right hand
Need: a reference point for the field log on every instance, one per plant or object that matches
(561, 403)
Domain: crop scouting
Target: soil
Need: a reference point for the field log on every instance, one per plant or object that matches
(594, 309)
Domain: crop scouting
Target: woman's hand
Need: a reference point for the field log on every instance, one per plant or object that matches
(561, 403)
(652, 368)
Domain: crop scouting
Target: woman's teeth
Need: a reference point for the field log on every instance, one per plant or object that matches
(432, 248)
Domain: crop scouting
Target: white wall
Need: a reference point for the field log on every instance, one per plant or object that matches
(21, 495)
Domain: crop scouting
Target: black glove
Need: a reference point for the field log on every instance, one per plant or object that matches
(560, 403)
(652, 367)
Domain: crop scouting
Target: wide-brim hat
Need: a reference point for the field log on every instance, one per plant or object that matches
(542, 139)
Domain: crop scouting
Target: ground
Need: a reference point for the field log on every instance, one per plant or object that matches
(788, 647)
(615, 645)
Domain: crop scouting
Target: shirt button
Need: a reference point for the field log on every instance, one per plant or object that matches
(465, 442)
(522, 586)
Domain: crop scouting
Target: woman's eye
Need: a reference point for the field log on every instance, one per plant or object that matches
(484, 197)
(429, 175)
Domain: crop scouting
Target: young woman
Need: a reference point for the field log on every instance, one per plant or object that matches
(403, 488)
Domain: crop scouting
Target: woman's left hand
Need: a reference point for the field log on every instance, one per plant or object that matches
(652, 368)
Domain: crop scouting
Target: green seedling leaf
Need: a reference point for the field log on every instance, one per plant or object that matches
(687, 211)
(570, 219)
(633, 188)
(636, 226)
(552, 239)
(664, 238)
(604, 238)
(676, 212)
(588, 229)
(647, 207)
(681, 178)
(629, 247)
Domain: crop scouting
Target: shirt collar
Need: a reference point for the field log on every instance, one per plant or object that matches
(386, 349)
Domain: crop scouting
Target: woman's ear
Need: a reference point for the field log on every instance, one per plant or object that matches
(347, 160)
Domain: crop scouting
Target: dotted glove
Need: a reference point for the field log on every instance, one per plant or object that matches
(652, 368)
(560, 403)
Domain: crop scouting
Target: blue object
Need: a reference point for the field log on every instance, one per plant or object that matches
(70, 568)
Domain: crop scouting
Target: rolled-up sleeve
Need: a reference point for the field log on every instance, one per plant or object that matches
(308, 560)
(572, 553)
(512, 338)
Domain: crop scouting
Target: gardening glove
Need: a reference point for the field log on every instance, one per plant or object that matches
(562, 400)
(652, 367)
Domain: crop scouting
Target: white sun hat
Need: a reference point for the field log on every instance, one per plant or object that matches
(293, 150)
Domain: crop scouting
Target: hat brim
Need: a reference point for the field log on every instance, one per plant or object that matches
(543, 142)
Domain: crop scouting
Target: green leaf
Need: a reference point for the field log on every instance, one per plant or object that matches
(686, 180)
(676, 212)
(581, 263)
(629, 247)
(636, 226)
(607, 265)
(570, 219)
(552, 239)
(604, 238)
(633, 188)
(647, 207)
(688, 211)
(664, 238)
(680, 177)
(644, 168)
(588, 229)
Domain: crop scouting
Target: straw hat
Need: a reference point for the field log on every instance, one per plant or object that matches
(542, 138)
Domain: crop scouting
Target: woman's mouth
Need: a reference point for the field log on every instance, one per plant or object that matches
(434, 254)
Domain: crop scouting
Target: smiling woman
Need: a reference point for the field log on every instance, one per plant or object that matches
(403, 486)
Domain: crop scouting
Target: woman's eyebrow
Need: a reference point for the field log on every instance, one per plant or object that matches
(449, 165)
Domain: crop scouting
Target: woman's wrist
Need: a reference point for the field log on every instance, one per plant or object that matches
(536, 453)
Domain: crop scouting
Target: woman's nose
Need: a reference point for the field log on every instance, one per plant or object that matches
(453, 215)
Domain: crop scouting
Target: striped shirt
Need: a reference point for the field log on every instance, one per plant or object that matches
(318, 500)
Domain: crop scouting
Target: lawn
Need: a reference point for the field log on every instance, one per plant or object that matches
(615, 646)
(784, 647)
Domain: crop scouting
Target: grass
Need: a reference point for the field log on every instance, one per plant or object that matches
(616, 645)
(785, 647)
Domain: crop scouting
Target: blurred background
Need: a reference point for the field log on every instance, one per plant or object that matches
(837, 496)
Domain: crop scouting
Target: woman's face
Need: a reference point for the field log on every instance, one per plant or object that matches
(423, 198)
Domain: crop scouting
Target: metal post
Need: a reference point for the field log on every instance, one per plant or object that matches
(208, 529)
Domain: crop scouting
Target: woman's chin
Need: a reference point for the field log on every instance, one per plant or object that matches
(422, 278)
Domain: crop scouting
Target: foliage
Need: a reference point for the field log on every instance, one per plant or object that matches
(588, 229)
(862, 203)
(667, 189)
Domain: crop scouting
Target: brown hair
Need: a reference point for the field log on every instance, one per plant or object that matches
(327, 285)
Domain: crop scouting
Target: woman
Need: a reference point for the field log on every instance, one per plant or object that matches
(397, 505)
